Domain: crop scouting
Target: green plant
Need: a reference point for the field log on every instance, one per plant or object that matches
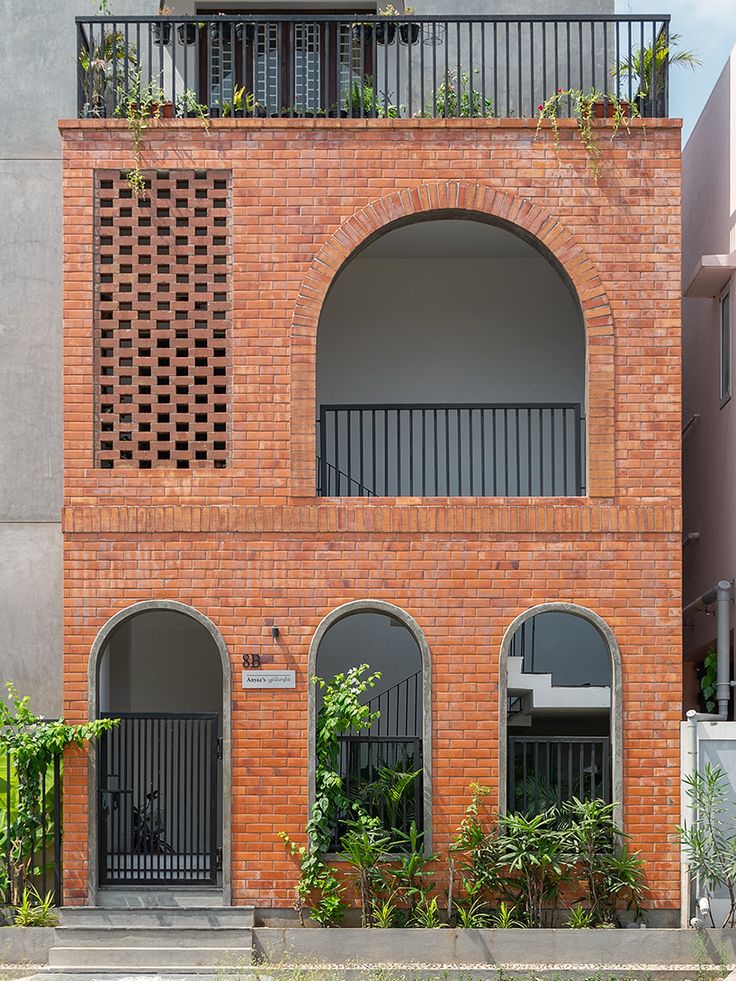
(139, 103)
(36, 911)
(329, 908)
(363, 848)
(341, 711)
(505, 918)
(390, 794)
(611, 873)
(34, 851)
(103, 62)
(710, 842)
(480, 849)
(32, 744)
(242, 101)
(474, 915)
(411, 868)
(708, 679)
(582, 107)
(187, 105)
(464, 100)
(363, 100)
(533, 848)
(427, 914)
(580, 918)
(649, 64)
(385, 912)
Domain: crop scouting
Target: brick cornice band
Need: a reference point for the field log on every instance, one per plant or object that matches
(371, 519)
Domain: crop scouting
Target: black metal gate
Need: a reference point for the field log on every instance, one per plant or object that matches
(158, 800)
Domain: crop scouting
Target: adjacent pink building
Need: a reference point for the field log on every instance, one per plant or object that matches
(709, 391)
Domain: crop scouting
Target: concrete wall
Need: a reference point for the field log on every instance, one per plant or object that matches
(38, 51)
(709, 448)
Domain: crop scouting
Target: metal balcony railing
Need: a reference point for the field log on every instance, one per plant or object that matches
(451, 450)
(367, 66)
(547, 770)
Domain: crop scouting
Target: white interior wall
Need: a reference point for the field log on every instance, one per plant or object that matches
(369, 638)
(495, 324)
(161, 661)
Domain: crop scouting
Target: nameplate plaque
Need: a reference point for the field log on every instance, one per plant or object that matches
(269, 679)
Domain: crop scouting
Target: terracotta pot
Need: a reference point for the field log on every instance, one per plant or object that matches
(606, 110)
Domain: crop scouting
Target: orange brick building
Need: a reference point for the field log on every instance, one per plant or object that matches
(167, 336)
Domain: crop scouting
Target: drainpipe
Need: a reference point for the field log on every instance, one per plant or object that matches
(721, 595)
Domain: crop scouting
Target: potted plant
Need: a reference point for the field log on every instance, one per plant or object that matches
(460, 101)
(409, 32)
(106, 61)
(161, 30)
(385, 30)
(188, 32)
(188, 106)
(646, 68)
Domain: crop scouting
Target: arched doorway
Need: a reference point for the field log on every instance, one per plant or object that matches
(161, 780)
(559, 709)
(389, 640)
(451, 361)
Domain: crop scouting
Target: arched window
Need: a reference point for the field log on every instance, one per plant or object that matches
(560, 709)
(451, 361)
(399, 741)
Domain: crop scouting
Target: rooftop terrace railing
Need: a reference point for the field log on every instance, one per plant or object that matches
(368, 66)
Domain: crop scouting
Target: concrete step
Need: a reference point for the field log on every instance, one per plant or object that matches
(221, 937)
(232, 917)
(159, 958)
(179, 897)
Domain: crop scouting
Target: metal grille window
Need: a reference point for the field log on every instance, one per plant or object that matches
(266, 67)
(221, 68)
(307, 68)
(725, 347)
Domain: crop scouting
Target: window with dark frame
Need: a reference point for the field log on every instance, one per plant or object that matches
(725, 347)
(304, 68)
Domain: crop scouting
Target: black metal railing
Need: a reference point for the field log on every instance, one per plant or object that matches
(368, 66)
(400, 708)
(486, 450)
(369, 766)
(158, 800)
(36, 861)
(548, 770)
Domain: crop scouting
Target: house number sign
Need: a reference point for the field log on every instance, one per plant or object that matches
(269, 679)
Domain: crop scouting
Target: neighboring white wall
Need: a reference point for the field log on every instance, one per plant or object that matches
(709, 448)
(161, 661)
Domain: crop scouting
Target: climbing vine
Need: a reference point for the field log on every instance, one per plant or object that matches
(32, 744)
(341, 712)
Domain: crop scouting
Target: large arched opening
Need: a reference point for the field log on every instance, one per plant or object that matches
(451, 361)
(161, 778)
(560, 712)
(390, 641)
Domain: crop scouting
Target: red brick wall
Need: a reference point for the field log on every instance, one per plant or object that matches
(249, 545)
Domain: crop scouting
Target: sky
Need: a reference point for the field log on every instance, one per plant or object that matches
(708, 28)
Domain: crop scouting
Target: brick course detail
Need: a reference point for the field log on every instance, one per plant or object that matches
(251, 546)
(162, 311)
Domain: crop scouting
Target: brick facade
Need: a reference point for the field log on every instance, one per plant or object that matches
(250, 545)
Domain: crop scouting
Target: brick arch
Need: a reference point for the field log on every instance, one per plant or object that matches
(466, 199)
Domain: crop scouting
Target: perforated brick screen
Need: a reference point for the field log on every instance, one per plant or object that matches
(162, 320)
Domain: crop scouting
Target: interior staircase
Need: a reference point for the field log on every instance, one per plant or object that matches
(152, 933)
